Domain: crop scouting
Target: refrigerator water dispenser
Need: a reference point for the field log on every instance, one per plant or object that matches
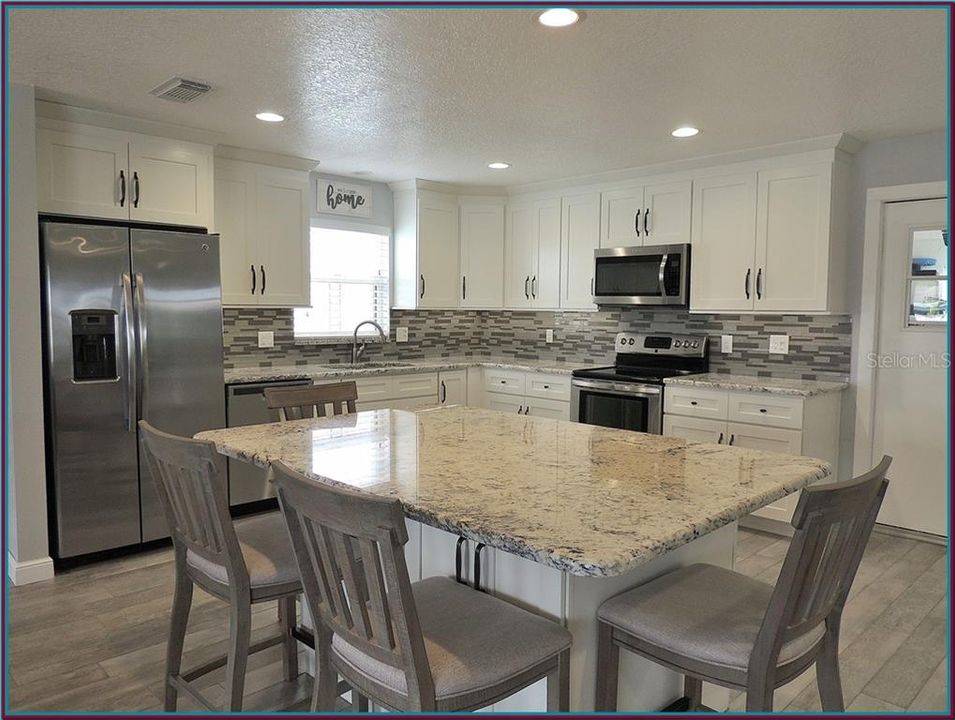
(94, 345)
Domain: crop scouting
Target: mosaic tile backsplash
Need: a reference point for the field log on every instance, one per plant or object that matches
(819, 345)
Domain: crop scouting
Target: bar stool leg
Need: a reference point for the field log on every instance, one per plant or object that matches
(240, 629)
(287, 617)
(558, 685)
(827, 672)
(693, 691)
(325, 690)
(179, 620)
(608, 666)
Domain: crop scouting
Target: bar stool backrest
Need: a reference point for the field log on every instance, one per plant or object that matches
(306, 401)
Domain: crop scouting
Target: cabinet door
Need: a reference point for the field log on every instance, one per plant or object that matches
(667, 211)
(171, 181)
(621, 217)
(482, 256)
(553, 409)
(545, 282)
(78, 172)
(792, 238)
(234, 221)
(580, 236)
(282, 237)
(771, 440)
(438, 251)
(695, 429)
(520, 251)
(453, 387)
(505, 403)
(724, 243)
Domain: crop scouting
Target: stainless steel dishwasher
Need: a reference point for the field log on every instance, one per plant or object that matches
(245, 405)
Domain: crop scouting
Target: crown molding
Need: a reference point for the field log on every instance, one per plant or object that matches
(263, 157)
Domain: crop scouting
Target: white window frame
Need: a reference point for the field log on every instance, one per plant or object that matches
(368, 333)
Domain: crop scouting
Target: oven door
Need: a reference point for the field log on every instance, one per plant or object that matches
(625, 406)
(656, 275)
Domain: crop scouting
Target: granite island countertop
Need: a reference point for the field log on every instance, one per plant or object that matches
(753, 383)
(585, 499)
(235, 376)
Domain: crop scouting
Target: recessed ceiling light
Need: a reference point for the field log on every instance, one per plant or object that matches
(558, 17)
(499, 165)
(270, 117)
(685, 132)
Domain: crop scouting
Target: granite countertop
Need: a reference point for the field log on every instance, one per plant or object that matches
(234, 376)
(752, 383)
(585, 499)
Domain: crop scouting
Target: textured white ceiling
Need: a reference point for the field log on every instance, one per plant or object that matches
(439, 93)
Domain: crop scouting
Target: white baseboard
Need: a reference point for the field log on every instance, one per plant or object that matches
(910, 534)
(30, 571)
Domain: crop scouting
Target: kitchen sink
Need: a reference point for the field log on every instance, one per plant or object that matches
(371, 365)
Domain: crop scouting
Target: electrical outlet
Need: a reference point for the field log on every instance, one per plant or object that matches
(401, 334)
(778, 344)
(266, 339)
(726, 344)
(548, 335)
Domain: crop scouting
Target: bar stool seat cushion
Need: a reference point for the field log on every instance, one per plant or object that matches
(268, 556)
(703, 614)
(473, 640)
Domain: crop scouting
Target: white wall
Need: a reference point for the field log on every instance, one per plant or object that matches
(27, 529)
(896, 161)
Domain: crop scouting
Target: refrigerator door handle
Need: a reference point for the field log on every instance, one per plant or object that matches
(131, 380)
(141, 331)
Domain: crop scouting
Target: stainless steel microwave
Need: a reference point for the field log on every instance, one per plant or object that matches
(651, 275)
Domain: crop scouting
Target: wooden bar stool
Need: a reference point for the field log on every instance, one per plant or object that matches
(244, 563)
(715, 625)
(306, 401)
(435, 645)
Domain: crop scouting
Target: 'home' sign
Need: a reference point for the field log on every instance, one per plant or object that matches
(337, 198)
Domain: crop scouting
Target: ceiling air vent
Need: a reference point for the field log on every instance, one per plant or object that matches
(181, 90)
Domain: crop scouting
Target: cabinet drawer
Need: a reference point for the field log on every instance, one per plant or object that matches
(407, 386)
(697, 402)
(765, 409)
(510, 382)
(553, 409)
(553, 387)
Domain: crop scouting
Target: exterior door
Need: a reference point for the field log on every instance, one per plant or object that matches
(482, 256)
(580, 231)
(179, 332)
(910, 422)
(667, 213)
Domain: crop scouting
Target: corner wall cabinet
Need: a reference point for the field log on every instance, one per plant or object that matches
(426, 250)
(262, 216)
(482, 252)
(532, 254)
(646, 214)
(579, 236)
(100, 172)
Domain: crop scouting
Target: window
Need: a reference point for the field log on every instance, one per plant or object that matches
(349, 271)
(928, 279)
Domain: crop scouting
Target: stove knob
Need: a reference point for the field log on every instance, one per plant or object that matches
(677, 344)
(630, 341)
(696, 343)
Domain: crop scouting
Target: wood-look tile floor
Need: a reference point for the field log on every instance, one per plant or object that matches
(94, 638)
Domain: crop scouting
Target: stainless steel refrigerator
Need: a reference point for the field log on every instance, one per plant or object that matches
(133, 330)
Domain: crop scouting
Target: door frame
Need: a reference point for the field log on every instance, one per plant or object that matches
(868, 327)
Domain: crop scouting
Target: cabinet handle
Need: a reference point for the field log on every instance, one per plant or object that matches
(422, 286)
(693, 402)
(122, 188)
(759, 284)
(720, 441)
(135, 190)
(636, 223)
(526, 282)
(464, 287)
(527, 410)
(547, 387)
(477, 567)
(262, 268)
(762, 410)
(646, 222)
(749, 273)
(591, 286)
(520, 409)
(458, 561)
(444, 392)
(732, 438)
(534, 287)
(252, 268)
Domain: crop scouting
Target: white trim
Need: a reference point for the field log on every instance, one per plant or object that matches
(261, 157)
(31, 571)
(863, 376)
(330, 222)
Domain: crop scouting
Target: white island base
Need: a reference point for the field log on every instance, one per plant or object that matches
(572, 600)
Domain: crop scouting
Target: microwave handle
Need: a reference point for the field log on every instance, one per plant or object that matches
(662, 274)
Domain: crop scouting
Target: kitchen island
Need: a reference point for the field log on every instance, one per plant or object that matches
(567, 514)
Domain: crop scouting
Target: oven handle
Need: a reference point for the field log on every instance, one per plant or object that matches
(618, 388)
(663, 267)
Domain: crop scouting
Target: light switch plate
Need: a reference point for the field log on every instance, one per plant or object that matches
(266, 339)
(401, 334)
(778, 344)
(726, 343)
(548, 335)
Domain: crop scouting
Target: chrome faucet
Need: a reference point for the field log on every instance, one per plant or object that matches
(357, 350)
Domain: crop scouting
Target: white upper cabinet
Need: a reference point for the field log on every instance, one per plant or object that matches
(262, 217)
(580, 236)
(646, 214)
(104, 173)
(532, 255)
(171, 181)
(426, 251)
(482, 253)
(723, 251)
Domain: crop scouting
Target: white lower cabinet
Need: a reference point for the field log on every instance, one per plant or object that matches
(760, 421)
(453, 387)
(527, 393)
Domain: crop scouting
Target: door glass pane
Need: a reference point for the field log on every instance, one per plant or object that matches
(928, 278)
(928, 302)
(929, 253)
